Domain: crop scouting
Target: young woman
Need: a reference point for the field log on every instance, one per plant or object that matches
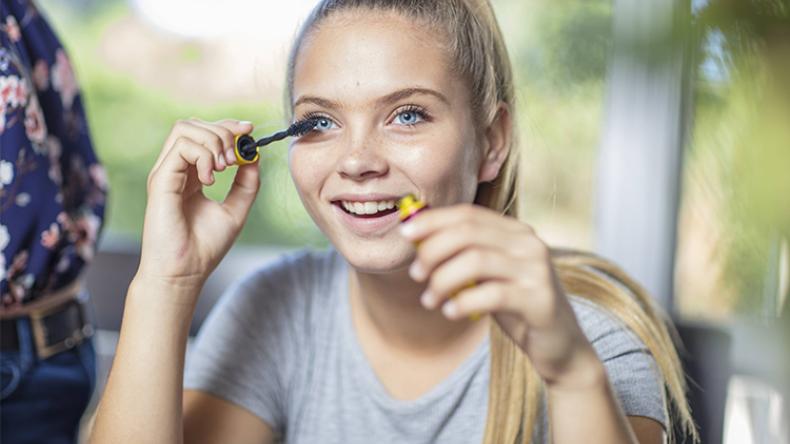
(375, 340)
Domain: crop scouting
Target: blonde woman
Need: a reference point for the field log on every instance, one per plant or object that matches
(363, 343)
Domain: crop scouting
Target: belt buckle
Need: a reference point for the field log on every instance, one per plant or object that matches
(43, 349)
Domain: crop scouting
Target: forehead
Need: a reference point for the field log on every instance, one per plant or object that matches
(361, 54)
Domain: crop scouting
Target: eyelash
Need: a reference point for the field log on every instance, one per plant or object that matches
(315, 115)
(418, 110)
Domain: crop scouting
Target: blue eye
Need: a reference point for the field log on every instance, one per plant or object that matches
(324, 123)
(409, 117)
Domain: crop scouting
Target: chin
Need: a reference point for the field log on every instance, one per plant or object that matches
(376, 256)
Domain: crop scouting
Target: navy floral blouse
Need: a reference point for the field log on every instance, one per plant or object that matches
(52, 187)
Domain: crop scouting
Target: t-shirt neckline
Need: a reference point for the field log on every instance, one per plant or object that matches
(374, 387)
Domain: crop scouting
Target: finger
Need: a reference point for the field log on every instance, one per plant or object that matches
(488, 297)
(236, 127)
(191, 129)
(185, 154)
(429, 221)
(449, 241)
(242, 193)
(466, 269)
(226, 136)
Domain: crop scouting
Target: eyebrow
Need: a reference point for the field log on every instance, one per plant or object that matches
(389, 98)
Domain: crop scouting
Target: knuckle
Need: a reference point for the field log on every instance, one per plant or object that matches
(528, 229)
(477, 259)
(499, 296)
(215, 142)
(537, 247)
(180, 143)
(467, 230)
(226, 135)
(467, 211)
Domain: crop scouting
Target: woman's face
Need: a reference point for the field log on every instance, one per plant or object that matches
(394, 121)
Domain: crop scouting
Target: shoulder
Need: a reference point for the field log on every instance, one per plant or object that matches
(606, 332)
(275, 306)
(632, 371)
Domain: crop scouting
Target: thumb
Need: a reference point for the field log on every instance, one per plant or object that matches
(242, 193)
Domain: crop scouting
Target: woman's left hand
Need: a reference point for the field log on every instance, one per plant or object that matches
(515, 282)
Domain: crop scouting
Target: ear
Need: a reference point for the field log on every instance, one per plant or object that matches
(496, 144)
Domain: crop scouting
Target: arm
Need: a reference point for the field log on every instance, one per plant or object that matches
(208, 419)
(143, 397)
(517, 285)
(184, 238)
(592, 414)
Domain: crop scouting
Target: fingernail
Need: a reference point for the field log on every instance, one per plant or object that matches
(450, 309)
(416, 271)
(245, 122)
(221, 162)
(427, 299)
(407, 229)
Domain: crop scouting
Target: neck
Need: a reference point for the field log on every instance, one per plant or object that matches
(389, 304)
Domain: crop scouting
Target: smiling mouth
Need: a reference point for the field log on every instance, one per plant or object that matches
(368, 210)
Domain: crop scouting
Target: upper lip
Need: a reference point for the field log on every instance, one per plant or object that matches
(372, 197)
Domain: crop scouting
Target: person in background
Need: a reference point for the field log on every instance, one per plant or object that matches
(52, 198)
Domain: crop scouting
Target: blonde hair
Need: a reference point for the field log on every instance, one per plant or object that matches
(515, 390)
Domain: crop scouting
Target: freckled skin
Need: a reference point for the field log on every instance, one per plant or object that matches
(354, 63)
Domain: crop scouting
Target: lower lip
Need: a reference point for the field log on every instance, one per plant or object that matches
(366, 225)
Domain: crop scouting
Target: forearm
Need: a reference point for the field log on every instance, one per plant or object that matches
(589, 413)
(142, 401)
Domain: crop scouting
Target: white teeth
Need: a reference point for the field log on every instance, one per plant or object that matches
(371, 207)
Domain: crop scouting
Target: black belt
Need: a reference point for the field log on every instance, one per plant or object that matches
(54, 330)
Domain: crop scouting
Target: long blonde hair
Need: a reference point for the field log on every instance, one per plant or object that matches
(515, 388)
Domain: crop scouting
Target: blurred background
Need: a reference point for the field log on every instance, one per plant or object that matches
(656, 132)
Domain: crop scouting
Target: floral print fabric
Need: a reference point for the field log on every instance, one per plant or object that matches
(52, 187)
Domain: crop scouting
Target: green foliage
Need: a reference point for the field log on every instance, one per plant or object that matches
(129, 123)
(559, 59)
(741, 122)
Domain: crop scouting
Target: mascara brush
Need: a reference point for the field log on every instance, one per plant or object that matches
(247, 149)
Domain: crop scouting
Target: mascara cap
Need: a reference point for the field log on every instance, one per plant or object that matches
(245, 150)
(408, 206)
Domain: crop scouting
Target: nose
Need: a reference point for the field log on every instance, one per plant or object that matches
(362, 159)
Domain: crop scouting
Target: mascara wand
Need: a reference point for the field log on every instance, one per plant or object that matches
(246, 147)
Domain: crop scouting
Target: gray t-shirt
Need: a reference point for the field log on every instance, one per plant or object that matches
(281, 344)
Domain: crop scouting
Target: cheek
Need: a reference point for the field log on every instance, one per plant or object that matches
(445, 168)
(307, 170)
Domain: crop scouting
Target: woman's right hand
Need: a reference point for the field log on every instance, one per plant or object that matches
(186, 234)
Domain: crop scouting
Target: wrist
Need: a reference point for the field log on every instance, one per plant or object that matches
(585, 371)
(166, 291)
(180, 284)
